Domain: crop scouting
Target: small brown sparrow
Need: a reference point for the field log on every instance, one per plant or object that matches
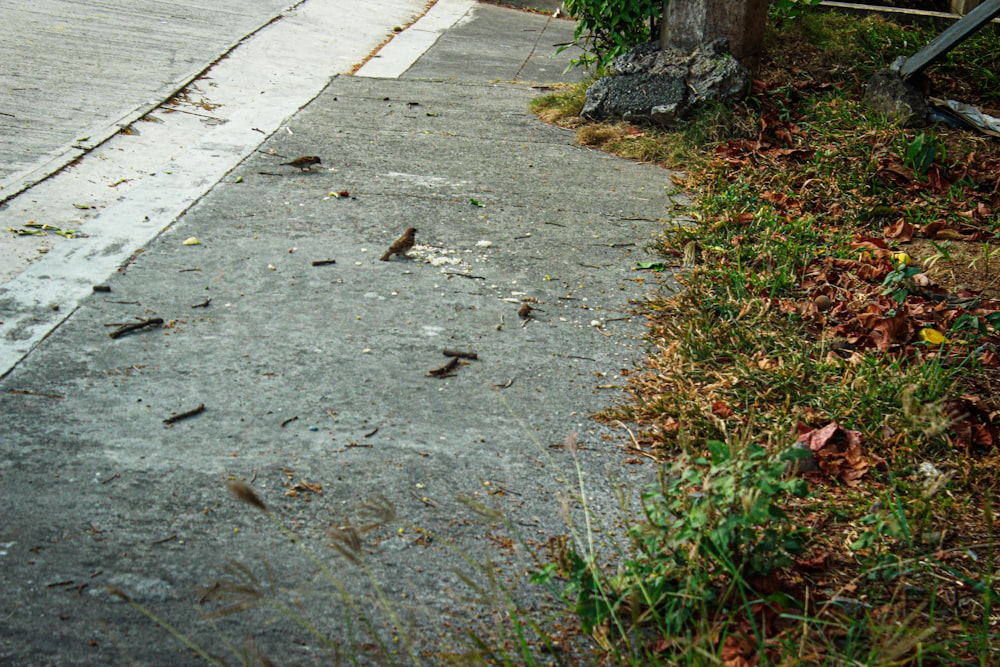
(304, 163)
(524, 312)
(400, 246)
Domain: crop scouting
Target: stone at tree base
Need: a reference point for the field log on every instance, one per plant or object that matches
(664, 87)
(898, 98)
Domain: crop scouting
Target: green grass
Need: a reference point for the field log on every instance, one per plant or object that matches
(897, 564)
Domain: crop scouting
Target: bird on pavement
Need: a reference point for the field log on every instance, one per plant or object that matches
(304, 163)
(400, 246)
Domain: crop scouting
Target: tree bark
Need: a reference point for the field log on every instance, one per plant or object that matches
(687, 23)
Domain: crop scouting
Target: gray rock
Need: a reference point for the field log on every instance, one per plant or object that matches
(666, 86)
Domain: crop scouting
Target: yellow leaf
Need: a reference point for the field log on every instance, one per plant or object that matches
(932, 336)
(194, 240)
(902, 259)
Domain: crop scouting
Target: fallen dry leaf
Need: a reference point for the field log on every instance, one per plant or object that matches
(722, 410)
(901, 231)
(838, 452)
(738, 651)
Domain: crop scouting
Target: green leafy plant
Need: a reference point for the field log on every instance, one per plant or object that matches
(790, 9)
(898, 283)
(714, 529)
(608, 28)
(920, 153)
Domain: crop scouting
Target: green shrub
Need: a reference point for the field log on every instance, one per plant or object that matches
(608, 28)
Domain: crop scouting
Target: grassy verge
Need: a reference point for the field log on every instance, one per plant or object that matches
(823, 394)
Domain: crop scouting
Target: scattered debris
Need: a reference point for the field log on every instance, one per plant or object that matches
(300, 487)
(323, 262)
(424, 499)
(184, 415)
(649, 266)
(25, 392)
(464, 275)
(32, 228)
(448, 370)
(964, 115)
(136, 326)
(459, 353)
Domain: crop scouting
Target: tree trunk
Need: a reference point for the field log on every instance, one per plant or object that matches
(687, 23)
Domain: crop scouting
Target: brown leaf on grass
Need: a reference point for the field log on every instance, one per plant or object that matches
(816, 563)
(937, 179)
(737, 151)
(974, 429)
(975, 437)
(818, 438)
(738, 651)
(941, 229)
(890, 331)
(779, 199)
(839, 271)
(795, 154)
(722, 410)
(783, 135)
(668, 425)
(892, 174)
(901, 231)
(869, 243)
(838, 452)
(990, 359)
(766, 363)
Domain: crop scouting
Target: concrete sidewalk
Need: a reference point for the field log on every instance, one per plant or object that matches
(315, 379)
